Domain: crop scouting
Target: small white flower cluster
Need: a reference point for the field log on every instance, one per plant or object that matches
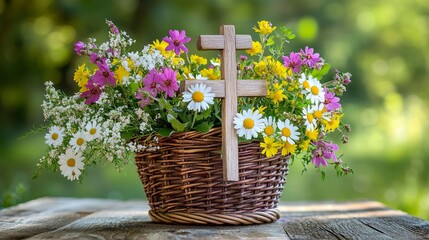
(79, 132)
(147, 59)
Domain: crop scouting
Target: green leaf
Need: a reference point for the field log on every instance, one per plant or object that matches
(178, 126)
(204, 127)
(204, 114)
(164, 104)
(322, 72)
(165, 132)
(134, 86)
(270, 41)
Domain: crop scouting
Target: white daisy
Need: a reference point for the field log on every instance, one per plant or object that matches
(319, 112)
(55, 136)
(93, 130)
(71, 164)
(196, 77)
(249, 124)
(315, 93)
(304, 82)
(288, 131)
(270, 126)
(310, 121)
(199, 97)
(78, 141)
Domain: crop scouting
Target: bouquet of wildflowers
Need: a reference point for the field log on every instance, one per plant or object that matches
(126, 95)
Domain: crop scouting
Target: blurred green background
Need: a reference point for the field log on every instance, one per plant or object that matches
(384, 44)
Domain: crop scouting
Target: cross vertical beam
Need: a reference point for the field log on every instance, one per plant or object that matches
(229, 105)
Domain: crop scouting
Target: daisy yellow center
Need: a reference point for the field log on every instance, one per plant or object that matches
(314, 90)
(269, 130)
(286, 132)
(93, 131)
(318, 114)
(197, 96)
(71, 162)
(80, 141)
(310, 117)
(248, 123)
(55, 136)
(306, 85)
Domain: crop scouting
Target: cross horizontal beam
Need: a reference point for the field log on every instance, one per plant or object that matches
(245, 88)
(217, 42)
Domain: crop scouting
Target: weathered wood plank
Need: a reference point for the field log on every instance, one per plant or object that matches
(216, 42)
(68, 218)
(245, 88)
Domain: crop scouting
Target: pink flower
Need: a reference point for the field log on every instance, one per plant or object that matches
(104, 75)
(293, 61)
(332, 103)
(168, 82)
(112, 26)
(94, 58)
(176, 41)
(324, 151)
(309, 57)
(152, 82)
(93, 93)
(79, 47)
(144, 99)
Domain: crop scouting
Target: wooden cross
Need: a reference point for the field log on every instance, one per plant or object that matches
(229, 89)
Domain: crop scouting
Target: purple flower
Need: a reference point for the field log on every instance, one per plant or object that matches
(104, 75)
(94, 58)
(309, 57)
(293, 61)
(332, 103)
(169, 82)
(323, 152)
(152, 82)
(112, 26)
(79, 47)
(176, 41)
(92, 94)
(243, 58)
(144, 99)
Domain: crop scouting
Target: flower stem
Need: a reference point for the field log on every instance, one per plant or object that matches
(193, 119)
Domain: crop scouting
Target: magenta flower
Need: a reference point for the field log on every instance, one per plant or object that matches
(152, 82)
(293, 61)
(323, 152)
(79, 47)
(112, 26)
(309, 57)
(94, 58)
(168, 82)
(144, 99)
(93, 93)
(103, 75)
(176, 41)
(332, 103)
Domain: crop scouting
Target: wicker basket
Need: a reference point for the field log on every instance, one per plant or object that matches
(184, 184)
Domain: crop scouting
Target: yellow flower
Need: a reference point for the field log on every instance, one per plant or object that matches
(264, 27)
(277, 96)
(312, 135)
(198, 60)
(120, 73)
(288, 148)
(277, 86)
(270, 147)
(178, 61)
(160, 46)
(304, 145)
(210, 73)
(261, 109)
(256, 48)
(261, 68)
(81, 77)
(333, 123)
(279, 69)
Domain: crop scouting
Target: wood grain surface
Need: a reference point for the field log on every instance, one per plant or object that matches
(69, 218)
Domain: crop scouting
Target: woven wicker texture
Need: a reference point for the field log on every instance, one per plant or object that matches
(184, 184)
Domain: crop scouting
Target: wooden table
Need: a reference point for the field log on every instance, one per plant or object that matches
(70, 218)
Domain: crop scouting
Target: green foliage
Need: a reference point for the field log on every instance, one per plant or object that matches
(13, 197)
